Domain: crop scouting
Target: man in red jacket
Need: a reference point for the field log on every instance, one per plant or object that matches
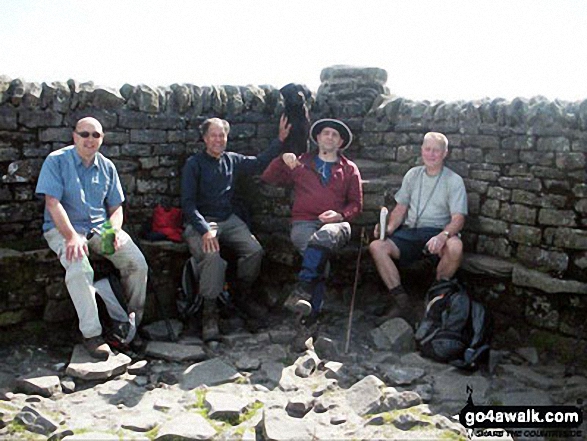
(327, 195)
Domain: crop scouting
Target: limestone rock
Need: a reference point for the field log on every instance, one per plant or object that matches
(209, 372)
(365, 396)
(41, 383)
(35, 421)
(394, 335)
(158, 330)
(174, 351)
(223, 406)
(83, 365)
(189, 426)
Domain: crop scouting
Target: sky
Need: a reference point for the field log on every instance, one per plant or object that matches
(431, 49)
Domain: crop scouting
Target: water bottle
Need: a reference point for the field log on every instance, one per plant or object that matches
(108, 235)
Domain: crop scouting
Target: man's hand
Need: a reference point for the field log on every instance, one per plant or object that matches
(291, 160)
(210, 243)
(330, 216)
(436, 243)
(75, 248)
(284, 128)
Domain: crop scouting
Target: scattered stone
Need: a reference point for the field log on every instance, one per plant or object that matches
(83, 365)
(299, 405)
(327, 348)
(394, 335)
(393, 399)
(189, 426)
(332, 369)
(223, 406)
(138, 368)
(247, 362)
(158, 330)
(306, 364)
(142, 422)
(174, 351)
(40, 383)
(401, 376)
(68, 385)
(365, 396)
(35, 422)
(209, 372)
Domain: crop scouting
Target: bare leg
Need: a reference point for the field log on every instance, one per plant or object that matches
(382, 252)
(451, 257)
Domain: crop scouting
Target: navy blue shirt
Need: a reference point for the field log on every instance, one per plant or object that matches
(207, 183)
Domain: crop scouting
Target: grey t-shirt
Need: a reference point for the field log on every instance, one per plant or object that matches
(431, 200)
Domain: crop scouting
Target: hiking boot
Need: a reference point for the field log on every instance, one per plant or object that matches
(97, 348)
(210, 329)
(299, 301)
(402, 308)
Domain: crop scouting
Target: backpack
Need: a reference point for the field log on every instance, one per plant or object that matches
(189, 299)
(456, 329)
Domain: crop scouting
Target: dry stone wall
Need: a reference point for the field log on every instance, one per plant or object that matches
(523, 162)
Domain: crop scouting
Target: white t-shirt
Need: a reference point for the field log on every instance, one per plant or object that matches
(432, 200)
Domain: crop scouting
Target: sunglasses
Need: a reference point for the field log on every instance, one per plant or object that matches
(87, 134)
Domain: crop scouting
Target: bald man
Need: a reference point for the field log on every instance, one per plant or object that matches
(82, 190)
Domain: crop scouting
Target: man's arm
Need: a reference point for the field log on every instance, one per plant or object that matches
(354, 196)
(456, 224)
(116, 217)
(75, 246)
(190, 178)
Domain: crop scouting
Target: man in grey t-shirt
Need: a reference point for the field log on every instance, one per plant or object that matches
(429, 215)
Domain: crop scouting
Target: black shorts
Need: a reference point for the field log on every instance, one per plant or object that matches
(412, 243)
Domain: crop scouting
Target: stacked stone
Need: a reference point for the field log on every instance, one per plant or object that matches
(149, 134)
(523, 162)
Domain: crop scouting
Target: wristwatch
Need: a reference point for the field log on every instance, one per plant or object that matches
(446, 233)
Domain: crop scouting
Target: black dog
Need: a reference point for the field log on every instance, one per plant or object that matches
(295, 97)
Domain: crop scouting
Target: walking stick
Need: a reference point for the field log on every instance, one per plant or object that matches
(350, 323)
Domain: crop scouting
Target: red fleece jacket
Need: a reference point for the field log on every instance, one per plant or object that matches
(343, 194)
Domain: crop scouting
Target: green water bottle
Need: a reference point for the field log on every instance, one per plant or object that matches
(108, 235)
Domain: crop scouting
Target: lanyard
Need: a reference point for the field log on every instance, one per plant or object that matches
(418, 212)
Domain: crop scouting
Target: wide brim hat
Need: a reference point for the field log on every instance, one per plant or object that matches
(339, 126)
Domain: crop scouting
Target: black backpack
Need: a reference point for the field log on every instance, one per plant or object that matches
(456, 329)
(189, 299)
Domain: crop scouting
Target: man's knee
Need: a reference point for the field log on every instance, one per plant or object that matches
(378, 248)
(331, 236)
(454, 248)
(79, 270)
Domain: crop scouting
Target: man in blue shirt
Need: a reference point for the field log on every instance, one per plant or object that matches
(82, 190)
(207, 189)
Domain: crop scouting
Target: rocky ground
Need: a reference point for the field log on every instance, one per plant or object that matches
(259, 386)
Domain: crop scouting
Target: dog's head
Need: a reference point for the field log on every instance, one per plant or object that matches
(295, 95)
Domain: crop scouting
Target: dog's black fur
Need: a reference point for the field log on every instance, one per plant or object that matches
(296, 99)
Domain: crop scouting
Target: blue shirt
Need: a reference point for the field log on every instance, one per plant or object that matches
(207, 183)
(324, 169)
(86, 193)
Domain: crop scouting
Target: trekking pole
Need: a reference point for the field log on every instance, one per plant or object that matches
(350, 323)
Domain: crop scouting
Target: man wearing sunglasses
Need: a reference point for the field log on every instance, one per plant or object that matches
(82, 190)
